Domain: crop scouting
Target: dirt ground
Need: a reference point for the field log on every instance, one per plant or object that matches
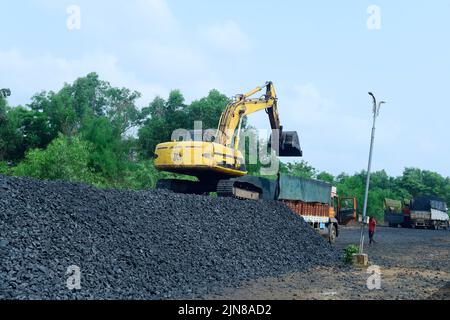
(413, 264)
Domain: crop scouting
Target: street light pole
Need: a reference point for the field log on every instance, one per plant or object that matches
(376, 111)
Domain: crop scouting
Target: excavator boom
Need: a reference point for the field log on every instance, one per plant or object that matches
(243, 105)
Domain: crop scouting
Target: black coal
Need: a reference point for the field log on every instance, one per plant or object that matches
(143, 244)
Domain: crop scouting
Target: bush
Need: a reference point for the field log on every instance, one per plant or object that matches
(349, 251)
(140, 176)
(64, 158)
(4, 168)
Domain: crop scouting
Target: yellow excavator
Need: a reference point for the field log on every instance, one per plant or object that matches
(217, 164)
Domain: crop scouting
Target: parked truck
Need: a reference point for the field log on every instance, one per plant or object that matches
(394, 215)
(421, 212)
(318, 203)
(428, 212)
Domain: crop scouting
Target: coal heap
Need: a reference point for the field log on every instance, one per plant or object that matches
(151, 244)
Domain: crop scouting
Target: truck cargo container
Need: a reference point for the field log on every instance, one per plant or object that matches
(318, 203)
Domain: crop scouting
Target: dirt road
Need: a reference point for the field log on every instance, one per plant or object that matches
(413, 264)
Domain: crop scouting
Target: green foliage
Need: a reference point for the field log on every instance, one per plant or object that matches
(81, 128)
(108, 152)
(65, 112)
(88, 97)
(325, 176)
(298, 169)
(349, 251)
(6, 130)
(20, 130)
(422, 182)
(3, 107)
(207, 109)
(142, 175)
(4, 168)
(381, 186)
(64, 158)
(163, 117)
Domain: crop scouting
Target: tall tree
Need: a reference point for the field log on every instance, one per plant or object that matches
(163, 117)
(207, 109)
(298, 169)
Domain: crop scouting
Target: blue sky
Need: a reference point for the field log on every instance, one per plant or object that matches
(321, 56)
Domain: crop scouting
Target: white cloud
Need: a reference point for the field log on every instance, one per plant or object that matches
(28, 75)
(173, 60)
(227, 36)
(138, 18)
(310, 104)
(333, 137)
(321, 115)
(140, 45)
(156, 11)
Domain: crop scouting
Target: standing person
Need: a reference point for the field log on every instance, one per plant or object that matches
(372, 225)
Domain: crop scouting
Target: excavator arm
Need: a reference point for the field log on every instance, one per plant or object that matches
(242, 105)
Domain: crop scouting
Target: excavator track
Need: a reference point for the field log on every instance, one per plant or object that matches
(237, 189)
(225, 188)
(181, 186)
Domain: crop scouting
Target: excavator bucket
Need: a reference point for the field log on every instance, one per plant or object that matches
(289, 145)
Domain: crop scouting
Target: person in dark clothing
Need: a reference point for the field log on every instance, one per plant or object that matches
(372, 226)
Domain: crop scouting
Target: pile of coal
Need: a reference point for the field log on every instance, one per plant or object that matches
(63, 240)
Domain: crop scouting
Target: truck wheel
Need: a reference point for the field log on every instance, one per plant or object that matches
(331, 233)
